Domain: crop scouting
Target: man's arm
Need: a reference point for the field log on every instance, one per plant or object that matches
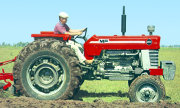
(63, 31)
(78, 30)
(73, 33)
(74, 30)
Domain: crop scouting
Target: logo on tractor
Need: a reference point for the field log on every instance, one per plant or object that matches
(149, 41)
(104, 40)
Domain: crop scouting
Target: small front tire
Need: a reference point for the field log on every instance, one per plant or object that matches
(146, 88)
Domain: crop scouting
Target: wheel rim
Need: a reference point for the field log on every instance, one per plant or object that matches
(46, 75)
(147, 93)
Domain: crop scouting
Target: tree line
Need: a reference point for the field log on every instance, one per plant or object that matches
(19, 44)
(23, 44)
(172, 46)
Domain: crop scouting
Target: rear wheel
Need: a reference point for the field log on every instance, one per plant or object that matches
(46, 69)
(79, 85)
(146, 88)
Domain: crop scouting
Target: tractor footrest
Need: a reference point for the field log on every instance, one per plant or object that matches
(121, 77)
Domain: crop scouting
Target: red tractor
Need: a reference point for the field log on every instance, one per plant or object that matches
(48, 68)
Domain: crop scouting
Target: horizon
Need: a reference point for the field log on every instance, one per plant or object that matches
(10, 44)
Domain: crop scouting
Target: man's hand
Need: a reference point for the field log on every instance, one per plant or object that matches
(79, 33)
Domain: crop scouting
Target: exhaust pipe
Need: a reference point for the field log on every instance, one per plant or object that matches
(123, 22)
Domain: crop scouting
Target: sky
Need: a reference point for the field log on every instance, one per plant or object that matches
(20, 18)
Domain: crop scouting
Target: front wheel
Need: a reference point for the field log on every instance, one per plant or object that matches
(146, 88)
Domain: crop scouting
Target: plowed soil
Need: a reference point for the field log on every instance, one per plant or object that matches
(26, 102)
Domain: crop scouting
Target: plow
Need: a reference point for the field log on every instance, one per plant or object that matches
(6, 76)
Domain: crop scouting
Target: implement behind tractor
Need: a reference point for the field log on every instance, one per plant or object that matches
(5, 76)
(49, 68)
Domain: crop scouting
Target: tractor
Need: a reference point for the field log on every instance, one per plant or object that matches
(49, 69)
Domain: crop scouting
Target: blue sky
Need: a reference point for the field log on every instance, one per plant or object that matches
(19, 18)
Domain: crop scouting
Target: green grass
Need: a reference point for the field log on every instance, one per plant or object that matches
(8, 53)
(173, 86)
(112, 90)
(105, 90)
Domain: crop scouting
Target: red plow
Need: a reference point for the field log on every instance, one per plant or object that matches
(5, 76)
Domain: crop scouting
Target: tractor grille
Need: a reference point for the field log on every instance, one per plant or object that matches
(153, 55)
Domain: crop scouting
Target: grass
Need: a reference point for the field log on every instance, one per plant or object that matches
(112, 90)
(8, 53)
(173, 86)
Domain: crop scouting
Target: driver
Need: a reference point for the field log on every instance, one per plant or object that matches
(62, 28)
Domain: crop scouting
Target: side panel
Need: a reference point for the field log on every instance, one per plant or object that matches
(145, 60)
(96, 44)
(149, 59)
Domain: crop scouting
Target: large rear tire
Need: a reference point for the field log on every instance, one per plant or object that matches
(46, 69)
(146, 88)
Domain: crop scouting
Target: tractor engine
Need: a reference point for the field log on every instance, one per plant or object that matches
(118, 63)
(125, 64)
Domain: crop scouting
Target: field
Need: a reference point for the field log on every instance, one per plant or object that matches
(110, 91)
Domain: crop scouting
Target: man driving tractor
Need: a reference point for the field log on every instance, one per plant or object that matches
(62, 28)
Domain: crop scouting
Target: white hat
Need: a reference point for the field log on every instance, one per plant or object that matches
(63, 15)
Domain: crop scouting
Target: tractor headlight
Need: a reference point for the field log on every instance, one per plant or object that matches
(151, 29)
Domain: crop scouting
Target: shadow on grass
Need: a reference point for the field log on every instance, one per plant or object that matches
(84, 93)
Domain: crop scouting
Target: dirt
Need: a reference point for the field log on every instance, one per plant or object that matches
(26, 102)
(9, 101)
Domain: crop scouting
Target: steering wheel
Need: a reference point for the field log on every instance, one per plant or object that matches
(83, 37)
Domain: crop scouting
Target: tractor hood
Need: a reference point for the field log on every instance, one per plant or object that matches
(96, 44)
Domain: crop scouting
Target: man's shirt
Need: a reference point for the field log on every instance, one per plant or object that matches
(61, 28)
